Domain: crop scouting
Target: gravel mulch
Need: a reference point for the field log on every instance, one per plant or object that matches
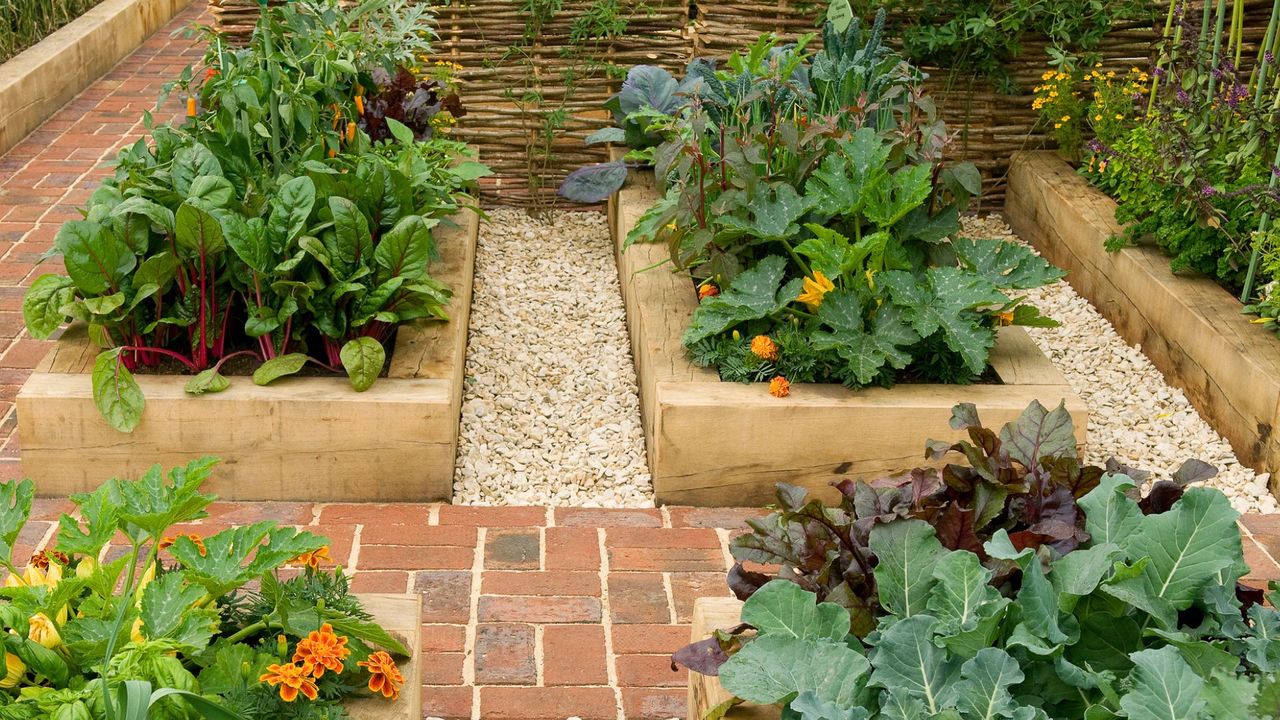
(1135, 416)
(550, 412)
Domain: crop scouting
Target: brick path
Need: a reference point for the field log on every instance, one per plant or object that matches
(529, 612)
(47, 176)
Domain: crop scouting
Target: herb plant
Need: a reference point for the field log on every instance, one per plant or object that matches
(807, 196)
(266, 226)
(178, 626)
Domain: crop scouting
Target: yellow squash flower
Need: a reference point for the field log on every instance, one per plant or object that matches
(43, 631)
(14, 670)
(814, 288)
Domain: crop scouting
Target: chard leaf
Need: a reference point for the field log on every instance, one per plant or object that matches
(782, 608)
(351, 238)
(908, 551)
(907, 662)
(1164, 688)
(207, 381)
(771, 667)
(1006, 264)
(405, 249)
(278, 367)
(96, 259)
(1187, 547)
(198, 231)
(248, 240)
(169, 612)
(116, 393)
(363, 359)
(290, 208)
(159, 215)
(104, 304)
(42, 304)
(752, 295)
(648, 86)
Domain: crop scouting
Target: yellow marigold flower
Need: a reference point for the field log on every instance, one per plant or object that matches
(322, 650)
(1097, 117)
(814, 288)
(168, 541)
(1111, 73)
(779, 387)
(764, 348)
(314, 558)
(1066, 118)
(14, 670)
(42, 630)
(1047, 74)
(1057, 126)
(1119, 116)
(292, 679)
(384, 676)
(707, 290)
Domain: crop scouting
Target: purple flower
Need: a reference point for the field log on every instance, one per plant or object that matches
(1095, 146)
(1183, 97)
(1208, 191)
(1158, 72)
(1270, 57)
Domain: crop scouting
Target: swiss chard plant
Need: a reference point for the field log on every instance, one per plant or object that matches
(1024, 481)
(807, 196)
(1142, 621)
(124, 617)
(265, 226)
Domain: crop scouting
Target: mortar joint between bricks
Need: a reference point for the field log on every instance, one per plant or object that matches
(723, 534)
(469, 646)
(606, 622)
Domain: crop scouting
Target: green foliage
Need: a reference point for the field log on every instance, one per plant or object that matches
(27, 22)
(1052, 643)
(810, 191)
(178, 627)
(266, 225)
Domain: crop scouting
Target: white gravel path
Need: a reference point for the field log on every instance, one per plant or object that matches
(550, 412)
(1134, 415)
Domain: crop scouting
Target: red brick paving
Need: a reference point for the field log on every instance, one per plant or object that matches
(51, 173)
(529, 612)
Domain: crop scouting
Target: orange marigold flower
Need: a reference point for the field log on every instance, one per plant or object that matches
(314, 558)
(41, 559)
(322, 650)
(191, 107)
(764, 348)
(168, 541)
(707, 290)
(779, 387)
(384, 676)
(292, 679)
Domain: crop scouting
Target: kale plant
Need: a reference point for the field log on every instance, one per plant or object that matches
(1141, 622)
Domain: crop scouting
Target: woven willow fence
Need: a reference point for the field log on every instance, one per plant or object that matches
(533, 91)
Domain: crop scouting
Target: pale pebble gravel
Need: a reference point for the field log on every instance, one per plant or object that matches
(550, 411)
(1134, 415)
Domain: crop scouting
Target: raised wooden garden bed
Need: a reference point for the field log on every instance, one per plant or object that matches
(705, 692)
(1190, 327)
(45, 76)
(401, 616)
(302, 438)
(718, 443)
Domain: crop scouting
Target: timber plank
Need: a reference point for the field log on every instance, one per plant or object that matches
(706, 692)
(302, 438)
(1190, 327)
(716, 443)
(401, 616)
